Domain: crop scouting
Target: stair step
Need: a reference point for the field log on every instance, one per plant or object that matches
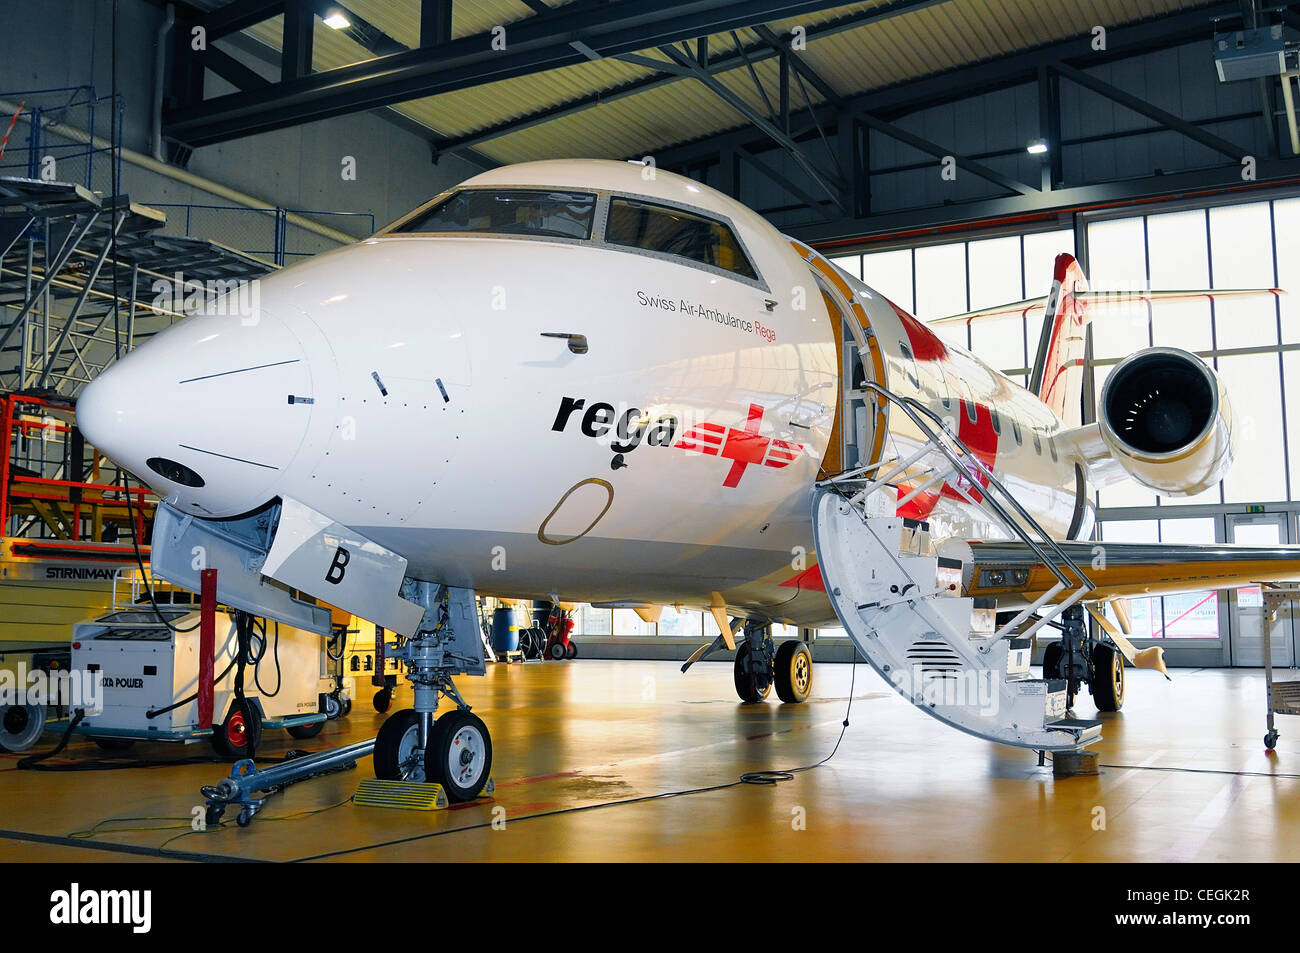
(1072, 724)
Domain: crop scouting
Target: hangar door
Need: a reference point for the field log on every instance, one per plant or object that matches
(1246, 605)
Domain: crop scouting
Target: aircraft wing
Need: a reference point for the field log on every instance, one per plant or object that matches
(1012, 574)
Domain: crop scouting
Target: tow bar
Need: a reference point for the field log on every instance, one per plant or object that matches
(246, 780)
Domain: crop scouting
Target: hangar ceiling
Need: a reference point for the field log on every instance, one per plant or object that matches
(616, 107)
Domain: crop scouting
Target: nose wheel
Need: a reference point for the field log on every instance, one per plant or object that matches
(459, 756)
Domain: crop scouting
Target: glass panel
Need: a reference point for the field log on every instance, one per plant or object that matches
(1254, 385)
(1177, 247)
(592, 621)
(890, 273)
(1041, 249)
(832, 632)
(1147, 622)
(1286, 234)
(627, 622)
(1241, 246)
(684, 624)
(995, 272)
(1193, 615)
(513, 212)
(940, 281)
(1117, 253)
(1255, 534)
(1291, 380)
(674, 232)
(850, 263)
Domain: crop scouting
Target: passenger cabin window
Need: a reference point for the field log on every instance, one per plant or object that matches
(1015, 432)
(910, 367)
(997, 421)
(1038, 444)
(671, 231)
(543, 213)
(1051, 448)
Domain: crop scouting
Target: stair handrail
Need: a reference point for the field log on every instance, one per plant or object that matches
(911, 407)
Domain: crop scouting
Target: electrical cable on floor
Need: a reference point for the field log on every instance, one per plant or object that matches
(1178, 770)
(750, 777)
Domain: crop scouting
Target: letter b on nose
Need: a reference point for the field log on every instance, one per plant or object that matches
(338, 567)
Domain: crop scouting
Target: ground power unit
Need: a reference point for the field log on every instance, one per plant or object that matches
(149, 674)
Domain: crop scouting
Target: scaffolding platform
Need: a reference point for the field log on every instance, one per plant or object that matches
(79, 277)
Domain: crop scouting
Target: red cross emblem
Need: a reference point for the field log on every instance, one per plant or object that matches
(741, 447)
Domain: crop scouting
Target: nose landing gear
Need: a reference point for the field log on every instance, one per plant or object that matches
(454, 750)
(759, 666)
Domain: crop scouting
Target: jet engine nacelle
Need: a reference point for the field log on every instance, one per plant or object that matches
(1166, 418)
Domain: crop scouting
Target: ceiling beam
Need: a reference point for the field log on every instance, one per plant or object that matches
(719, 63)
(533, 44)
(943, 152)
(1144, 108)
(939, 220)
(959, 83)
(826, 181)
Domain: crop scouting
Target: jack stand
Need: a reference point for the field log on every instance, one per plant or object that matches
(1070, 764)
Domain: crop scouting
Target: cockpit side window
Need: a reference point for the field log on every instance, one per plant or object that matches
(672, 231)
(544, 213)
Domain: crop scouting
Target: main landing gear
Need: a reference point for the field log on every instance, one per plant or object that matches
(1081, 659)
(454, 750)
(758, 667)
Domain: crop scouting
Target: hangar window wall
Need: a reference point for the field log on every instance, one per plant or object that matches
(1253, 343)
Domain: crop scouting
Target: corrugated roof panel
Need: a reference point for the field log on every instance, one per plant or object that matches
(882, 53)
(469, 109)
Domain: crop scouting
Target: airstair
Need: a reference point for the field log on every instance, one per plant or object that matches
(901, 601)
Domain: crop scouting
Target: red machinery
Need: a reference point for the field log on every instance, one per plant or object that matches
(559, 631)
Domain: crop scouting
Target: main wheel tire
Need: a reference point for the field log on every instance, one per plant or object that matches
(395, 746)
(238, 735)
(556, 651)
(20, 726)
(571, 650)
(383, 700)
(793, 672)
(744, 679)
(459, 756)
(1107, 678)
(303, 732)
(114, 745)
(1053, 655)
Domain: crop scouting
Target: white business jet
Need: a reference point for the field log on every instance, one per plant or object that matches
(592, 381)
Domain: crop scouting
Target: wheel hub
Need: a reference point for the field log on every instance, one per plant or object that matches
(15, 719)
(410, 756)
(465, 759)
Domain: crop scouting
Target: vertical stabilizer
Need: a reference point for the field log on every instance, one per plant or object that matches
(1058, 367)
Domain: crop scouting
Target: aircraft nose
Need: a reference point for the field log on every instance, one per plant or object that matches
(210, 412)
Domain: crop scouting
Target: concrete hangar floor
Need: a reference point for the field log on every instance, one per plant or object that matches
(1184, 777)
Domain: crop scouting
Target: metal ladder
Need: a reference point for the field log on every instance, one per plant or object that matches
(903, 611)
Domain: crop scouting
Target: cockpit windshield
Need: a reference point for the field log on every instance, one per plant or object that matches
(543, 213)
